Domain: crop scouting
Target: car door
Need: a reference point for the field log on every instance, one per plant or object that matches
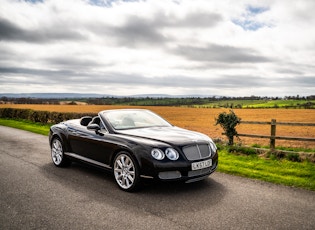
(90, 145)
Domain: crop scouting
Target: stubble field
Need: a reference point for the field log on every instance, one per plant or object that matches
(203, 120)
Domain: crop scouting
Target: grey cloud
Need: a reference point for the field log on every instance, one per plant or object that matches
(195, 20)
(219, 53)
(201, 20)
(108, 81)
(138, 31)
(10, 31)
(42, 72)
(296, 81)
(66, 77)
(239, 81)
(286, 82)
(73, 62)
(210, 82)
(231, 81)
(289, 71)
(306, 80)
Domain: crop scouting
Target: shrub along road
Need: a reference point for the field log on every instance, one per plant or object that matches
(37, 195)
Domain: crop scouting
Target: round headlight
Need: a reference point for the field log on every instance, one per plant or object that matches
(157, 154)
(171, 154)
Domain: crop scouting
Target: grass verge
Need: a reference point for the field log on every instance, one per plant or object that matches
(297, 174)
(26, 125)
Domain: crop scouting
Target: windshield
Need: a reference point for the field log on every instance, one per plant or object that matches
(131, 119)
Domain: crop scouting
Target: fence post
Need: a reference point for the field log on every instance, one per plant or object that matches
(272, 135)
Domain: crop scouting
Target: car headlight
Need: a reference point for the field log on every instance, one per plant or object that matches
(157, 154)
(171, 154)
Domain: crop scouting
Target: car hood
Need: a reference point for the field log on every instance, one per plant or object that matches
(170, 135)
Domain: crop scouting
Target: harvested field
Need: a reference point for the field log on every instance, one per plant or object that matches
(203, 120)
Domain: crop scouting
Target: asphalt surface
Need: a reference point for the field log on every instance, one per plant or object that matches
(37, 195)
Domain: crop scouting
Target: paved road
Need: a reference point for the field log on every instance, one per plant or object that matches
(37, 195)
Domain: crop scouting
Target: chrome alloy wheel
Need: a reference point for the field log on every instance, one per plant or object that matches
(56, 152)
(125, 172)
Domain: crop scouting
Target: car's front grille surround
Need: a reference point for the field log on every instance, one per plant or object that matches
(197, 151)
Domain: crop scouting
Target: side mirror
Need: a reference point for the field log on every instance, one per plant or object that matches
(94, 127)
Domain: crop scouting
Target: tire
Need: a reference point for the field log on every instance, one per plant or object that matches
(57, 153)
(126, 172)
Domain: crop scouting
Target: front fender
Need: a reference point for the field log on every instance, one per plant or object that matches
(59, 131)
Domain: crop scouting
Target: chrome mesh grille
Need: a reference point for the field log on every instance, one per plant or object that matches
(197, 152)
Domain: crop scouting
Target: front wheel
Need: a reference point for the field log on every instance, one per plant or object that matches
(57, 153)
(126, 172)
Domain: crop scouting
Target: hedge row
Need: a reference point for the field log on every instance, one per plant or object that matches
(43, 117)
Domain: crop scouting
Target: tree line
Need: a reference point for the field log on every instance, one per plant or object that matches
(152, 101)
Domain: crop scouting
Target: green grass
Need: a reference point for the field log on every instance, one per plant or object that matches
(26, 125)
(279, 104)
(258, 104)
(297, 174)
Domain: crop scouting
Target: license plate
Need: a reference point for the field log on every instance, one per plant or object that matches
(201, 164)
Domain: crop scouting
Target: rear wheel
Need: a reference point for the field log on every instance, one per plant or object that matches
(126, 172)
(57, 153)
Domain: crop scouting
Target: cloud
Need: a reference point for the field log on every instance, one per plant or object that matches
(149, 31)
(135, 32)
(175, 47)
(219, 53)
(11, 32)
(74, 78)
(36, 72)
(192, 19)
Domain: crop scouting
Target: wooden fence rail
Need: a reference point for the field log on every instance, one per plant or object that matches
(273, 124)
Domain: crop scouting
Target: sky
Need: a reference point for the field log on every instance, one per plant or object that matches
(175, 47)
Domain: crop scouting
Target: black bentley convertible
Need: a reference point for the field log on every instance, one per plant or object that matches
(134, 144)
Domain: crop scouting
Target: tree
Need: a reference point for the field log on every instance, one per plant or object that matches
(228, 121)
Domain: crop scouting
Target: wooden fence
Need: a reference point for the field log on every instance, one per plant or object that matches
(273, 124)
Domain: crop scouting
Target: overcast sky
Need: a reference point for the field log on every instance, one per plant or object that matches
(178, 47)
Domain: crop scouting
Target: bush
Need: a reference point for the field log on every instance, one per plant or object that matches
(15, 113)
(43, 117)
(228, 121)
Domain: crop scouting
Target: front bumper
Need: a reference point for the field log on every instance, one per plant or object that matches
(187, 176)
(181, 171)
